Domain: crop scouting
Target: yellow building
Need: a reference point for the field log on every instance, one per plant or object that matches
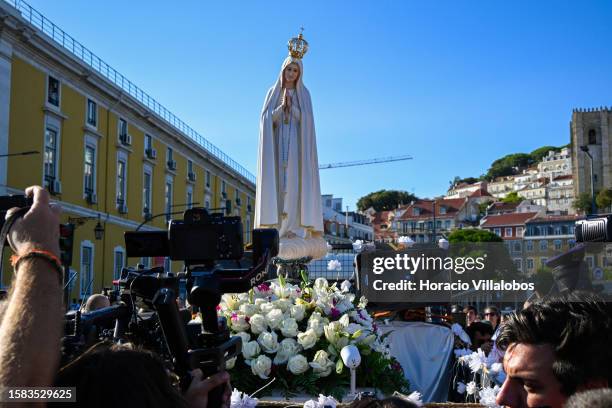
(107, 150)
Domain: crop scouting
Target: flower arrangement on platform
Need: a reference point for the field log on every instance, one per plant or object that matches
(294, 333)
(487, 377)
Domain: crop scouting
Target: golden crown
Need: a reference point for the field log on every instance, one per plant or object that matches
(298, 46)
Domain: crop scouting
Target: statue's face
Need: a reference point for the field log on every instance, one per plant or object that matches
(292, 72)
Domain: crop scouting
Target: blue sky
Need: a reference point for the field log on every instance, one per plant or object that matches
(454, 84)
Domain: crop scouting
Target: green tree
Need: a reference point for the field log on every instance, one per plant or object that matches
(384, 200)
(509, 165)
(582, 203)
(540, 152)
(459, 180)
(473, 235)
(604, 199)
(512, 198)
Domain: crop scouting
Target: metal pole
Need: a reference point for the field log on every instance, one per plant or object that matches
(433, 240)
(593, 205)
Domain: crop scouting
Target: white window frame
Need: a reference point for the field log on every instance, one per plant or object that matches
(119, 122)
(168, 201)
(118, 250)
(497, 231)
(86, 244)
(543, 245)
(92, 142)
(147, 170)
(147, 136)
(529, 264)
(519, 232)
(59, 92)
(506, 229)
(121, 156)
(189, 197)
(87, 117)
(54, 125)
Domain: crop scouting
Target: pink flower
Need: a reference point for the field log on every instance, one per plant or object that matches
(234, 316)
(264, 287)
(218, 307)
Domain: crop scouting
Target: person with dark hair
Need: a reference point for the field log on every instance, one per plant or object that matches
(471, 315)
(491, 315)
(109, 375)
(554, 348)
(599, 398)
(480, 334)
(391, 402)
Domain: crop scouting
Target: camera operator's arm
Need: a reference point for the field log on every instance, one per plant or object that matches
(30, 330)
(197, 393)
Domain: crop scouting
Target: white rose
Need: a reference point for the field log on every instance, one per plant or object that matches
(266, 307)
(298, 364)
(268, 342)
(261, 366)
(332, 332)
(321, 364)
(275, 318)
(316, 323)
(344, 320)
(289, 327)
(248, 309)
(259, 302)
(258, 324)
(345, 286)
(250, 350)
(238, 323)
(321, 283)
(246, 337)
(229, 364)
(297, 312)
(283, 304)
(230, 302)
(287, 349)
(307, 339)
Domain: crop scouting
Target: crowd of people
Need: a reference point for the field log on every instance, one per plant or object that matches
(555, 351)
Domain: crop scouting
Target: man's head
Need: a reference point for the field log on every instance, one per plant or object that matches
(479, 333)
(471, 314)
(600, 398)
(491, 314)
(554, 348)
(95, 302)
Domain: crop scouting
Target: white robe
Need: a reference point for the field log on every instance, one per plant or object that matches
(288, 195)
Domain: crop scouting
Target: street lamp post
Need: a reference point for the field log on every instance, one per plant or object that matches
(585, 149)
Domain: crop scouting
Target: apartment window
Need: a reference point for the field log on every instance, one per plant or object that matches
(508, 232)
(53, 91)
(442, 210)
(248, 230)
(543, 245)
(189, 198)
(571, 243)
(519, 232)
(416, 211)
(518, 263)
(170, 154)
(92, 113)
(86, 268)
(148, 143)
(529, 246)
(121, 180)
(517, 247)
(123, 128)
(119, 262)
(147, 191)
(529, 264)
(207, 179)
(497, 231)
(90, 169)
(223, 186)
(189, 166)
(50, 158)
(589, 260)
(168, 199)
(557, 244)
(237, 198)
(447, 224)
(543, 262)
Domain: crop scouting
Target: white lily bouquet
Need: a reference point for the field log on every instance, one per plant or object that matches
(487, 377)
(294, 333)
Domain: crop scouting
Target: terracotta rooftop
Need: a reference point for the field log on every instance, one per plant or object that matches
(564, 177)
(507, 219)
(452, 206)
(556, 218)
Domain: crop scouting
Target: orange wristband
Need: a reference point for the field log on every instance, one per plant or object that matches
(40, 254)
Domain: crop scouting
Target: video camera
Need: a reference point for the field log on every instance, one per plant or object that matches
(597, 229)
(211, 247)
